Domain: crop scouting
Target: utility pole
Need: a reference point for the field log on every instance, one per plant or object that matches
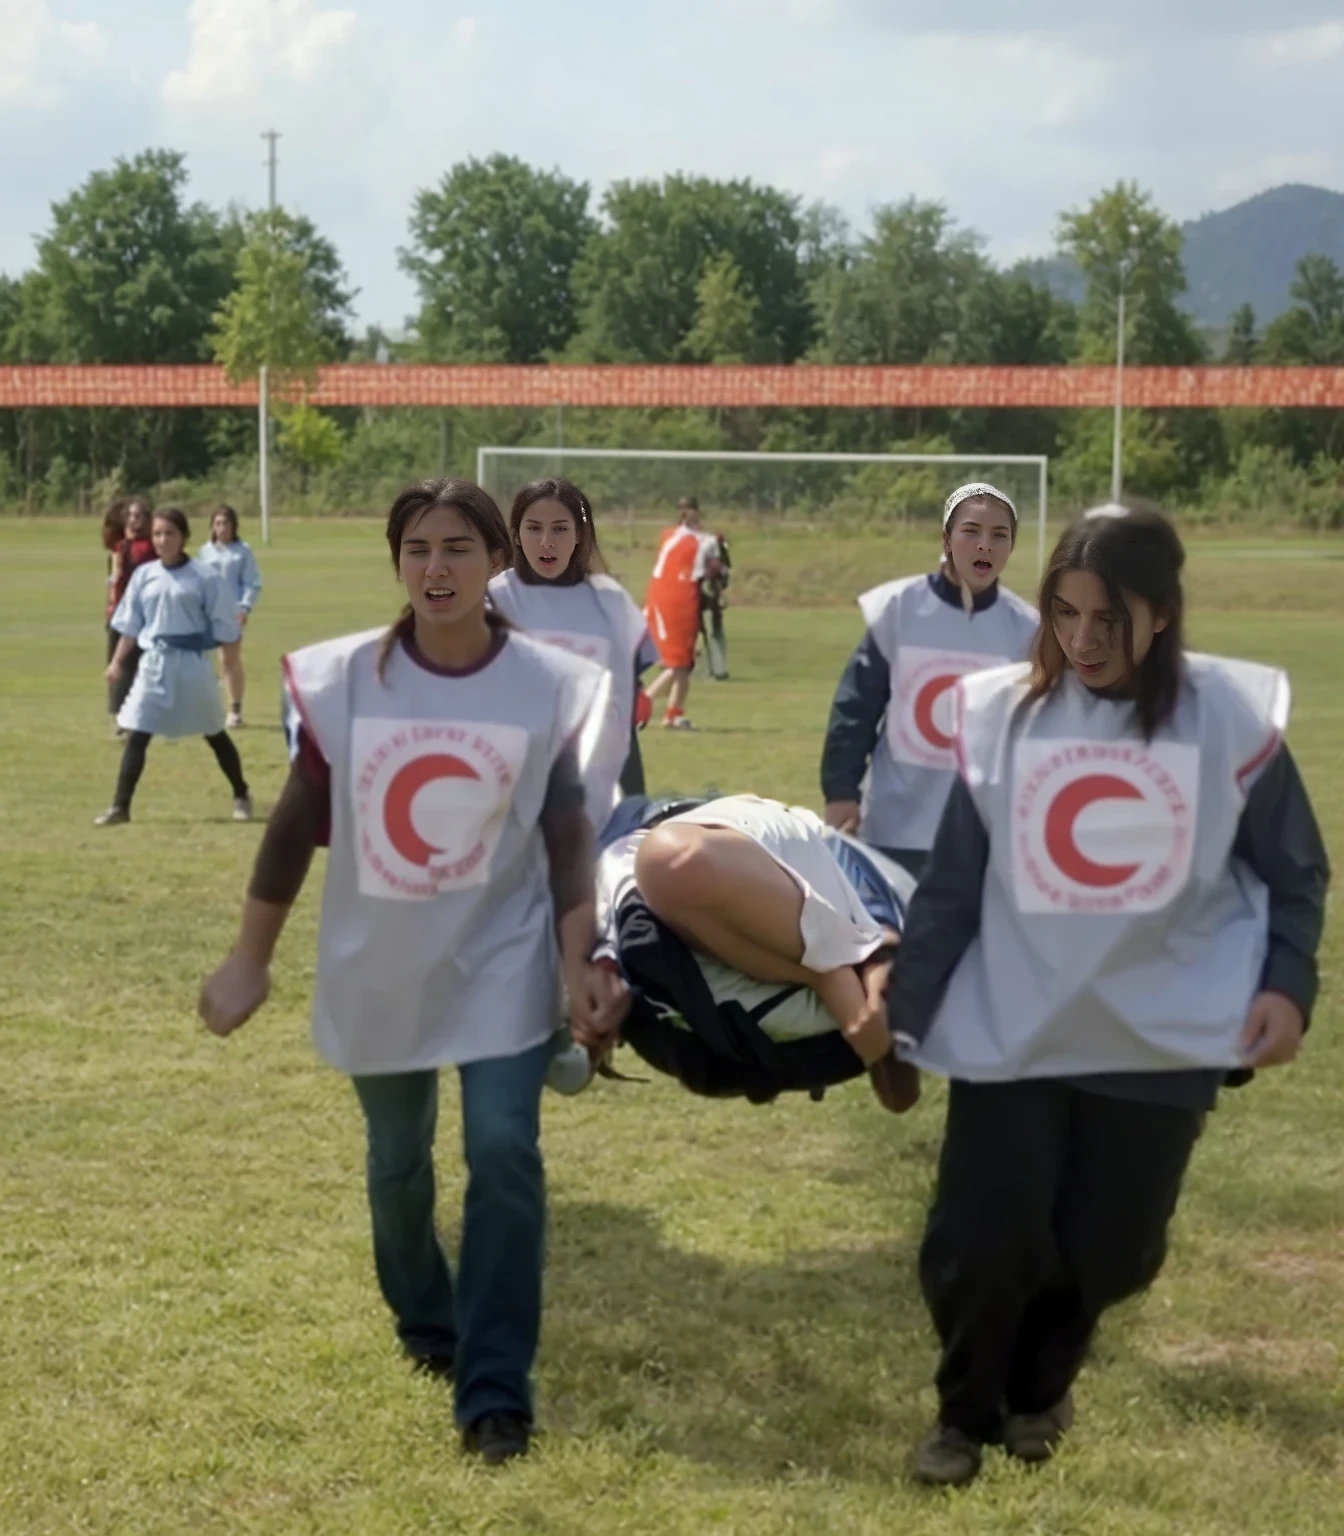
(263, 380)
(1126, 263)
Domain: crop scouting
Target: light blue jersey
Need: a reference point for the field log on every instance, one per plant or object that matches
(175, 614)
(236, 567)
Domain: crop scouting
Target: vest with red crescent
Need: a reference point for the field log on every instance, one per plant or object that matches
(928, 645)
(599, 620)
(436, 943)
(1117, 931)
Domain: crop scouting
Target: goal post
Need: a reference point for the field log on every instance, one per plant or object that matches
(502, 470)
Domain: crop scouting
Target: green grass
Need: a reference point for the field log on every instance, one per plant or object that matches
(191, 1339)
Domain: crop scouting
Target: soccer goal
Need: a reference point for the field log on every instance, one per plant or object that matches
(643, 484)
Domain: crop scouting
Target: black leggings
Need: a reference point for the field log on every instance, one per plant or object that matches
(133, 765)
(116, 692)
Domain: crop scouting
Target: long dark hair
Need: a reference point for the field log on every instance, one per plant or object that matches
(587, 557)
(1128, 549)
(227, 511)
(114, 524)
(476, 506)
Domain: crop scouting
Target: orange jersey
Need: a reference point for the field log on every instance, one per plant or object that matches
(672, 604)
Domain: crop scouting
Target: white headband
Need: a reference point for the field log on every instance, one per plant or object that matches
(1110, 509)
(976, 488)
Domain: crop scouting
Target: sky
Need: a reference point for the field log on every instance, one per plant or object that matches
(1008, 113)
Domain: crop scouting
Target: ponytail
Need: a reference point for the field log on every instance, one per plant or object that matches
(402, 629)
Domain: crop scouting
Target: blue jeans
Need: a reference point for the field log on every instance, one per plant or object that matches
(490, 1326)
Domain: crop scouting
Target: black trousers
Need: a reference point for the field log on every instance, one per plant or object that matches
(1052, 1205)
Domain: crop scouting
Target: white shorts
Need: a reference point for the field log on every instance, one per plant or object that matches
(836, 927)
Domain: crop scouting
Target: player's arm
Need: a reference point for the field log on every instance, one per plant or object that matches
(1279, 838)
(943, 917)
(860, 702)
(297, 826)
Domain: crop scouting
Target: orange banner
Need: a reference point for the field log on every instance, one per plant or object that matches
(397, 384)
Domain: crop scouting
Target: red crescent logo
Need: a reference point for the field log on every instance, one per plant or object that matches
(925, 699)
(1064, 811)
(405, 786)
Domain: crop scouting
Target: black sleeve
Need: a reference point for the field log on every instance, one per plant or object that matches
(856, 718)
(568, 836)
(943, 917)
(1279, 839)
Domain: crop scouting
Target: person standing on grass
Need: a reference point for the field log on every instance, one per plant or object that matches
(557, 589)
(1120, 914)
(113, 532)
(133, 549)
(889, 735)
(172, 613)
(236, 566)
(672, 607)
(442, 762)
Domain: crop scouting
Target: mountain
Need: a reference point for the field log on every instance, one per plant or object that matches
(1245, 254)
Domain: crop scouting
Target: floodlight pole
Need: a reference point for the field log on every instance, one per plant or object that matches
(1126, 262)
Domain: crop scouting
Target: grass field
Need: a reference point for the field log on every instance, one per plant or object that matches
(191, 1339)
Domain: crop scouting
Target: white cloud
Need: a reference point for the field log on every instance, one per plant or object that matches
(241, 49)
(1305, 45)
(38, 52)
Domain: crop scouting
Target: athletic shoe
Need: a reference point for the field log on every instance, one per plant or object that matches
(947, 1458)
(242, 808)
(1036, 1436)
(570, 1070)
(114, 816)
(677, 723)
(234, 720)
(497, 1437)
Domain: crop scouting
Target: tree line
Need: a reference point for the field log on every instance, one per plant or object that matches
(517, 264)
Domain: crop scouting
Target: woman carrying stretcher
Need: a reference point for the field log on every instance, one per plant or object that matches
(755, 948)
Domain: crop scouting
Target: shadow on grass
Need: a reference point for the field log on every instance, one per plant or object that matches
(1307, 1428)
(817, 1364)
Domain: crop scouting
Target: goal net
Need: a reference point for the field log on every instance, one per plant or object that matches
(845, 491)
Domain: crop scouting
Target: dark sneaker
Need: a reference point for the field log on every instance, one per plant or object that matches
(947, 1458)
(497, 1437)
(1036, 1436)
(114, 816)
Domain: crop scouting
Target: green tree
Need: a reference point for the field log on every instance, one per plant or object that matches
(1121, 237)
(1242, 344)
(130, 272)
(273, 317)
(725, 315)
(1311, 332)
(898, 295)
(639, 276)
(492, 251)
(311, 439)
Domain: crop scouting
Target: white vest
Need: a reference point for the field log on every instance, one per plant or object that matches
(1117, 932)
(437, 940)
(599, 620)
(929, 646)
